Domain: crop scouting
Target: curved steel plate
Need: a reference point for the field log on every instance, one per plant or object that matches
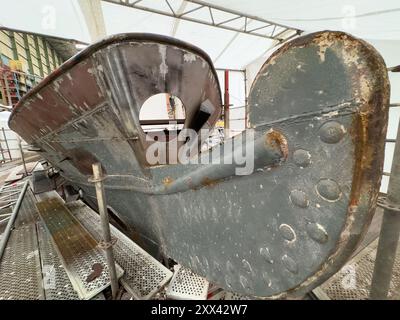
(322, 99)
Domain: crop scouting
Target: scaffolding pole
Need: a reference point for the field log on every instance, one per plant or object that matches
(390, 232)
(107, 242)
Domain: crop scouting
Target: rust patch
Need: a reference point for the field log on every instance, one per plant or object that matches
(97, 270)
(207, 182)
(82, 160)
(167, 181)
(277, 140)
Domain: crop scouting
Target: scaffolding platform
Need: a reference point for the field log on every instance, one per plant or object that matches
(144, 276)
(186, 285)
(84, 262)
(54, 245)
(353, 281)
(20, 272)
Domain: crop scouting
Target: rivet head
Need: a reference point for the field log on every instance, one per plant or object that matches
(299, 198)
(332, 132)
(317, 232)
(217, 267)
(287, 232)
(302, 158)
(246, 266)
(264, 252)
(267, 278)
(230, 267)
(328, 190)
(228, 281)
(290, 264)
(245, 283)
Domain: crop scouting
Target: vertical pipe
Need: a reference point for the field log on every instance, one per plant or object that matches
(22, 155)
(246, 101)
(2, 150)
(7, 146)
(7, 231)
(101, 200)
(226, 105)
(390, 232)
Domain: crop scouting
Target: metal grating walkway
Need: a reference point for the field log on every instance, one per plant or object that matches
(20, 272)
(144, 276)
(83, 261)
(353, 281)
(56, 283)
(186, 285)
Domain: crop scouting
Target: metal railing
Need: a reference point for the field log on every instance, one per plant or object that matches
(392, 105)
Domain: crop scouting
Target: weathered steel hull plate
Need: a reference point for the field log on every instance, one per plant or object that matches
(144, 276)
(77, 249)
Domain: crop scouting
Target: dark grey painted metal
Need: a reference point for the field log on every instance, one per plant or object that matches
(390, 232)
(322, 100)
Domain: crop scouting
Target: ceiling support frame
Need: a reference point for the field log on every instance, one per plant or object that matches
(273, 31)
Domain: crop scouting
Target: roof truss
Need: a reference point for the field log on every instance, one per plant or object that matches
(214, 16)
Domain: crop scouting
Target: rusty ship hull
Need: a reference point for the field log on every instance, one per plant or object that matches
(319, 112)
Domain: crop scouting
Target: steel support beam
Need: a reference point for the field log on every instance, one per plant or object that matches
(13, 45)
(390, 232)
(28, 53)
(265, 28)
(101, 200)
(46, 52)
(94, 18)
(226, 104)
(39, 56)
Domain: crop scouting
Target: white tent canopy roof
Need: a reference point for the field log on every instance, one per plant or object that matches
(368, 19)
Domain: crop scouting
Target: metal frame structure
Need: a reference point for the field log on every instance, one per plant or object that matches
(390, 230)
(264, 28)
(11, 221)
(228, 105)
(392, 105)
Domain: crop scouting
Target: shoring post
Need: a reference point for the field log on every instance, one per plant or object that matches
(107, 242)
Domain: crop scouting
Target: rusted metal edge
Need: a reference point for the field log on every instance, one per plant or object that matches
(371, 115)
(118, 38)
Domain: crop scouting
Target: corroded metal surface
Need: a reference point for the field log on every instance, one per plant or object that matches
(78, 251)
(56, 283)
(319, 109)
